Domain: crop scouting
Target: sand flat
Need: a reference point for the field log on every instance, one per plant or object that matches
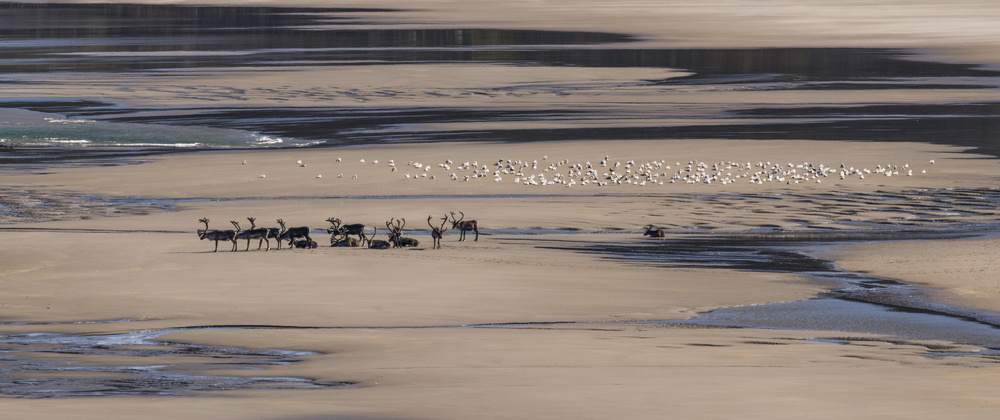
(572, 345)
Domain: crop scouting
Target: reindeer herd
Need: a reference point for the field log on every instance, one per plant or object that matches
(341, 235)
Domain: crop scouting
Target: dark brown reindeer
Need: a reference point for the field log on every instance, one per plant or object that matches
(292, 233)
(464, 226)
(253, 233)
(396, 234)
(274, 233)
(353, 229)
(216, 235)
(437, 232)
(377, 243)
(655, 232)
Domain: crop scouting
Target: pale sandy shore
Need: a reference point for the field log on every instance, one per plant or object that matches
(371, 308)
(573, 342)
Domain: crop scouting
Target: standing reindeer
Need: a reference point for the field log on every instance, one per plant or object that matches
(274, 233)
(216, 235)
(396, 234)
(252, 233)
(352, 229)
(464, 226)
(293, 233)
(437, 232)
(654, 232)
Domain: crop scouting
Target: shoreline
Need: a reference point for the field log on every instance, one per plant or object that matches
(565, 335)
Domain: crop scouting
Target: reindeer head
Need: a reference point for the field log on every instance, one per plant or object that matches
(439, 229)
(455, 222)
(336, 225)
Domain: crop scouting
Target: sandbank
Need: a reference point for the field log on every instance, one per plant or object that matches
(571, 338)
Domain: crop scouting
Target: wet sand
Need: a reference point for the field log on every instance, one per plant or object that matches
(569, 337)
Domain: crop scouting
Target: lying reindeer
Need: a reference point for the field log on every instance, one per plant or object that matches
(464, 226)
(377, 243)
(293, 233)
(353, 229)
(396, 234)
(346, 242)
(216, 235)
(305, 243)
(437, 232)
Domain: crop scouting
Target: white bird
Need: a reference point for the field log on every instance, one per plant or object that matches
(262, 175)
(299, 162)
(319, 176)
(244, 162)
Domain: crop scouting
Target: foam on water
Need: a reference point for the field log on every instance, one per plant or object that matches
(63, 132)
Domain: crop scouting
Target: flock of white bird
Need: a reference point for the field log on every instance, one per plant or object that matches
(630, 172)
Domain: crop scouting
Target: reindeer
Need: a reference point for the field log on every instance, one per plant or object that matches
(252, 233)
(377, 243)
(292, 233)
(437, 232)
(274, 233)
(346, 242)
(305, 243)
(352, 229)
(216, 235)
(396, 234)
(464, 226)
(653, 232)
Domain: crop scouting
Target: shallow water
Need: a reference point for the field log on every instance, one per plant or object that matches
(859, 303)
(78, 366)
(49, 41)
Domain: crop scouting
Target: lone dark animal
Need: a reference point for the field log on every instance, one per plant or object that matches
(655, 232)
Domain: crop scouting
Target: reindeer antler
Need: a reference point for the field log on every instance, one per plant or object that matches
(236, 224)
(402, 224)
(252, 224)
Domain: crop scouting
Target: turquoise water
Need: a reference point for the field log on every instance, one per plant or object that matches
(53, 131)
